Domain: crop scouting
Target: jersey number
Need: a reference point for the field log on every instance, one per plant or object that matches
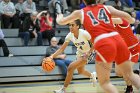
(101, 16)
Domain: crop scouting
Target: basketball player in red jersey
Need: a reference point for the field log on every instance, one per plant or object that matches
(125, 30)
(108, 44)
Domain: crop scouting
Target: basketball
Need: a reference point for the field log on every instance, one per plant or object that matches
(48, 64)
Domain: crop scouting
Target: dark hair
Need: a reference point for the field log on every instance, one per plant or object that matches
(45, 13)
(89, 2)
(78, 22)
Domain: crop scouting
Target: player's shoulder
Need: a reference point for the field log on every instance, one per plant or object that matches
(83, 31)
(69, 35)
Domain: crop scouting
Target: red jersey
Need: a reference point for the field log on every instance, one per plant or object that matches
(126, 32)
(97, 20)
(43, 25)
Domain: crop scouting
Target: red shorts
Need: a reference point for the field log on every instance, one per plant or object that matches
(135, 53)
(112, 49)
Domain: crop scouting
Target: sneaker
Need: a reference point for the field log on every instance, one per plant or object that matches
(93, 78)
(62, 90)
(10, 55)
(129, 90)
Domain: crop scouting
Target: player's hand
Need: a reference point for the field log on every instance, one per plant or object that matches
(85, 55)
(51, 57)
(44, 59)
(59, 18)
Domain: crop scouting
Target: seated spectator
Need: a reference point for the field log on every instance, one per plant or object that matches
(19, 9)
(118, 4)
(8, 11)
(136, 15)
(28, 7)
(60, 6)
(82, 5)
(29, 28)
(46, 30)
(75, 4)
(60, 60)
(6, 51)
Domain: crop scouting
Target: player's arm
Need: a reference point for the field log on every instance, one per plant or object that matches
(60, 50)
(91, 45)
(70, 18)
(88, 37)
(120, 14)
(117, 21)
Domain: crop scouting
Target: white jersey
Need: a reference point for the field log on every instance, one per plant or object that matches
(82, 42)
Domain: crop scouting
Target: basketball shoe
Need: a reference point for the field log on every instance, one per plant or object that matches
(61, 90)
(93, 78)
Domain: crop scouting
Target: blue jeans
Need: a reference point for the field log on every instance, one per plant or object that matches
(63, 64)
(48, 34)
(39, 39)
(25, 36)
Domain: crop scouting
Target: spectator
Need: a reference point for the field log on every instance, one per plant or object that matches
(29, 28)
(6, 51)
(58, 4)
(136, 15)
(60, 60)
(46, 30)
(19, 9)
(28, 7)
(7, 9)
(82, 4)
(75, 4)
(118, 4)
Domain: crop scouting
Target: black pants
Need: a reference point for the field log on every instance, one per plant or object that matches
(138, 29)
(48, 34)
(7, 21)
(4, 47)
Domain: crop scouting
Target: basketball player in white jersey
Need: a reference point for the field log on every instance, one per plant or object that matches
(81, 40)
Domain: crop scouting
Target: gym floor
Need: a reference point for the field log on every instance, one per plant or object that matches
(76, 86)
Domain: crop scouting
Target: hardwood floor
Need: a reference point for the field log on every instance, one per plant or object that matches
(77, 86)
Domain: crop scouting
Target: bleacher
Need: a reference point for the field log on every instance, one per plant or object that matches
(26, 63)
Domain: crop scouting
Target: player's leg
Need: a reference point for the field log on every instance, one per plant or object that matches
(82, 71)
(92, 76)
(128, 74)
(129, 88)
(104, 59)
(74, 65)
(103, 74)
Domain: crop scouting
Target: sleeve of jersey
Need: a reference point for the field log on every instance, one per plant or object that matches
(67, 38)
(124, 24)
(87, 35)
